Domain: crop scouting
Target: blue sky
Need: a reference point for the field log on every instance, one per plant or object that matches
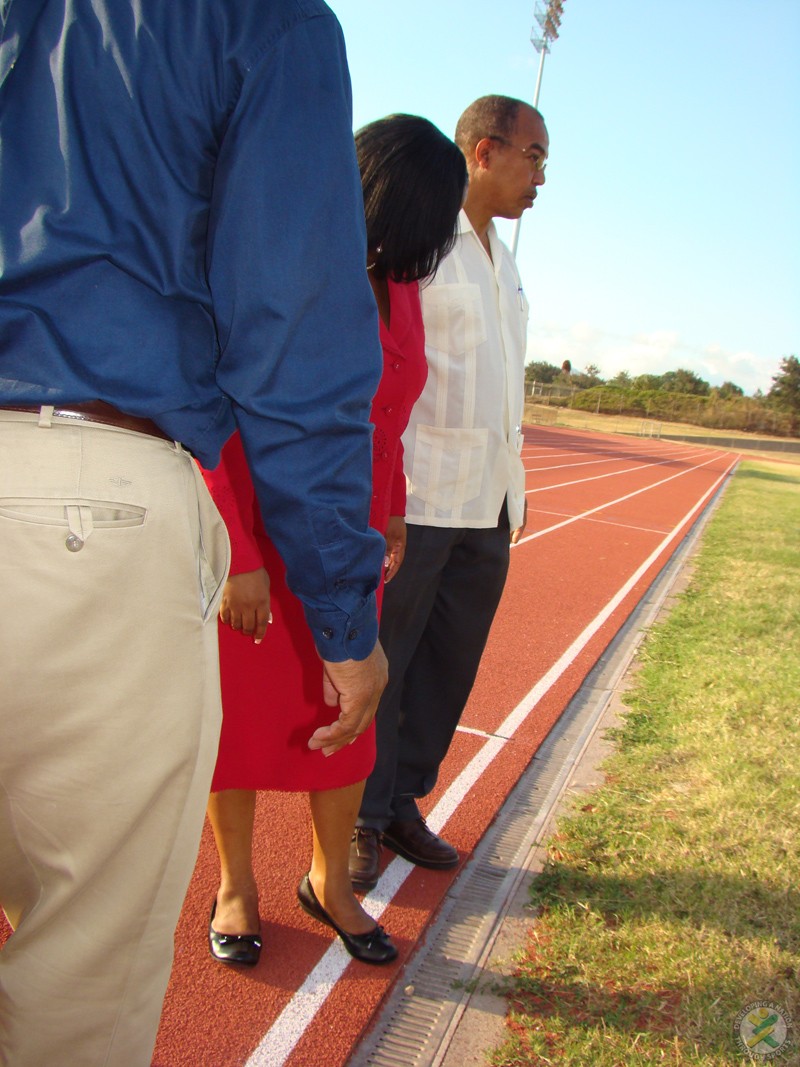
(668, 233)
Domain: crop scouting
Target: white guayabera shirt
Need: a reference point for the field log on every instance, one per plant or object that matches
(464, 437)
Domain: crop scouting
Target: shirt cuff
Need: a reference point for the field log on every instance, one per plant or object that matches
(339, 636)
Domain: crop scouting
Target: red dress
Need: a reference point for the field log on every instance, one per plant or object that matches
(272, 692)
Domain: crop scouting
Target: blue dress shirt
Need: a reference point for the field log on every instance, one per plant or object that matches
(182, 236)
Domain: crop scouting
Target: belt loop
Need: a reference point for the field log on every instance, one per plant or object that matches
(46, 415)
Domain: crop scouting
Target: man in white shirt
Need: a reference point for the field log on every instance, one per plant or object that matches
(466, 488)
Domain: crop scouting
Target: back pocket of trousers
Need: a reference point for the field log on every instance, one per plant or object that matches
(79, 518)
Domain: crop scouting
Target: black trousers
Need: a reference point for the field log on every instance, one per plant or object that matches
(436, 617)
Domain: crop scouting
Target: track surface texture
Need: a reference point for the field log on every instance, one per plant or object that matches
(604, 515)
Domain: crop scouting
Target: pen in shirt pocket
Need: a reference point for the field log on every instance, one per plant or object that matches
(521, 296)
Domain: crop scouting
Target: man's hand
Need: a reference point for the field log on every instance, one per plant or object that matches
(245, 603)
(355, 685)
(395, 546)
(517, 534)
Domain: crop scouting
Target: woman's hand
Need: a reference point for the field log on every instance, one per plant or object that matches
(245, 603)
(395, 546)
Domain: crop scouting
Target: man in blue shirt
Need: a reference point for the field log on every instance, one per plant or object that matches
(181, 252)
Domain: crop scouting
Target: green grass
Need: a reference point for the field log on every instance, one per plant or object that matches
(671, 899)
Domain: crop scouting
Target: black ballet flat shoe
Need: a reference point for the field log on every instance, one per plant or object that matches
(233, 948)
(373, 947)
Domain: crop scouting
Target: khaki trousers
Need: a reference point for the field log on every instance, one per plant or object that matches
(112, 559)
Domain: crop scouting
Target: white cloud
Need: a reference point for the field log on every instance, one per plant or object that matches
(658, 340)
(647, 353)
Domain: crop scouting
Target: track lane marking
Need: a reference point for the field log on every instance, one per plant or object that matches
(615, 474)
(609, 503)
(528, 454)
(474, 731)
(289, 1027)
(511, 724)
(601, 522)
(618, 456)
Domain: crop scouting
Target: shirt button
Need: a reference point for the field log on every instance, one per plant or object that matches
(352, 635)
(73, 543)
(327, 633)
(384, 455)
(395, 366)
(388, 410)
(339, 583)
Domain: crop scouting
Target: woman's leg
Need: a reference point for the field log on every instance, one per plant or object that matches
(333, 814)
(231, 813)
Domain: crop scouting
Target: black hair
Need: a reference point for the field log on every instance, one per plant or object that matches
(414, 179)
(486, 117)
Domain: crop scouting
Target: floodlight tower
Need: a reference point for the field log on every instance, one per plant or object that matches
(548, 15)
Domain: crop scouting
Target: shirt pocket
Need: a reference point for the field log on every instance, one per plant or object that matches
(453, 317)
(448, 465)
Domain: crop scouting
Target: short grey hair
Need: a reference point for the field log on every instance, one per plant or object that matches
(489, 116)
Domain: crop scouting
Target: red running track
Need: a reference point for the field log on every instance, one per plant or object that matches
(604, 515)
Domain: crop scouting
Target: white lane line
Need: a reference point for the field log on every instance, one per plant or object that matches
(616, 457)
(280, 1040)
(545, 453)
(600, 522)
(519, 714)
(556, 437)
(548, 453)
(472, 730)
(277, 1044)
(583, 463)
(610, 503)
(541, 451)
(615, 474)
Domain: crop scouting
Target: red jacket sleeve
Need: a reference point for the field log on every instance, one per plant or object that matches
(231, 488)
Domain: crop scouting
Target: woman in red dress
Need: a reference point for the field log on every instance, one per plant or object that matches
(414, 179)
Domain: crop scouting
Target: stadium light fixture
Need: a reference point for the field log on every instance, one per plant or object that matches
(548, 15)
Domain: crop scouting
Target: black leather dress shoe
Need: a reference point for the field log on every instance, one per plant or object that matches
(365, 857)
(233, 948)
(411, 839)
(373, 947)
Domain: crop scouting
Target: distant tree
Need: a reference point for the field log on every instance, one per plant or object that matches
(785, 391)
(684, 381)
(727, 390)
(622, 380)
(588, 378)
(538, 371)
(647, 381)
